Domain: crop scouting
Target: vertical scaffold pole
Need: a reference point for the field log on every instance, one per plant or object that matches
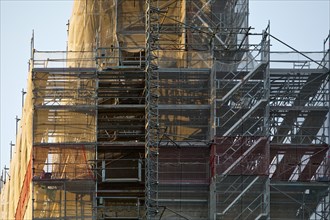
(151, 109)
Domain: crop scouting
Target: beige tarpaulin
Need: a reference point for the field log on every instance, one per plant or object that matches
(95, 24)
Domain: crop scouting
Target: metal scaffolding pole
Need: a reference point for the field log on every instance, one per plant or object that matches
(151, 109)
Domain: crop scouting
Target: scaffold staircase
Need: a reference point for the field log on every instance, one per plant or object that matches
(299, 109)
(234, 149)
(240, 99)
(310, 94)
(222, 28)
(235, 194)
(242, 92)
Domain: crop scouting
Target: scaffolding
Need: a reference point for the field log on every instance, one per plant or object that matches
(152, 27)
(299, 133)
(120, 162)
(165, 110)
(64, 137)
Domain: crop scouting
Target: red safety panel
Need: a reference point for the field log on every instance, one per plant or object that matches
(25, 193)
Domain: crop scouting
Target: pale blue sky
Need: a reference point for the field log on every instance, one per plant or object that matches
(303, 24)
(48, 18)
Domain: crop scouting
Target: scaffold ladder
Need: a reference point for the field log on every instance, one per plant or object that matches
(151, 109)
